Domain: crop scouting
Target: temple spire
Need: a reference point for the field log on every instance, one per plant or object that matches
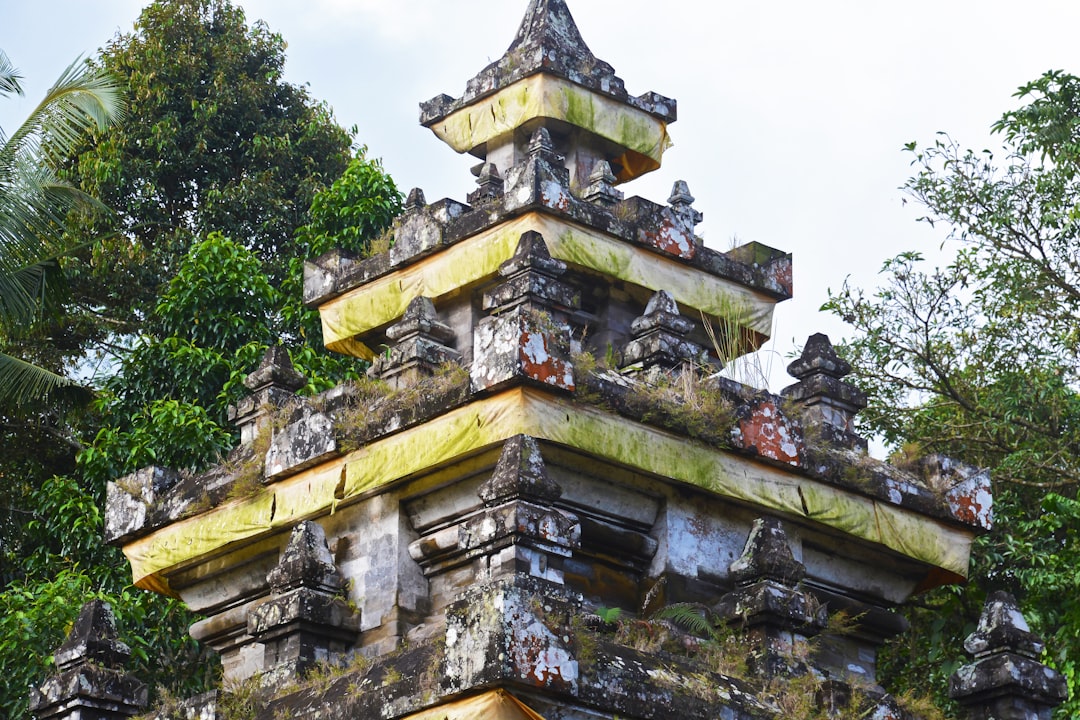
(548, 23)
(544, 79)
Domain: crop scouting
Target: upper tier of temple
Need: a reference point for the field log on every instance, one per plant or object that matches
(549, 78)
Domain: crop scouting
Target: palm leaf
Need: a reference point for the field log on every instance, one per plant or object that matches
(84, 98)
(24, 386)
(33, 209)
(34, 205)
(9, 77)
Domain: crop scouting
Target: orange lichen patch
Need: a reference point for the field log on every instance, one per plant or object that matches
(972, 502)
(537, 360)
(780, 274)
(671, 239)
(771, 433)
(554, 195)
(542, 660)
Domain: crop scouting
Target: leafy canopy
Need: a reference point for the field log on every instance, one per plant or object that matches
(215, 141)
(216, 146)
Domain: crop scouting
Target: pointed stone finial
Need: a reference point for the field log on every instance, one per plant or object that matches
(93, 639)
(90, 682)
(682, 203)
(767, 556)
(306, 562)
(415, 201)
(275, 370)
(549, 24)
(527, 334)
(601, 189)
(541, 179)
(820, 390)
(518, 532)
(420, 318)
(273, 384)
(602, 173)
(1006, 680)
(549, 58)
(819, 357)
(520, 472)
(662, 311)
(662, 302)
(422, 346)
(533, 278)
(680, 194)
(489, 184)
(660, 336)
(541, 146)
(1002, 628)
(532, 254)
(306, 620)
(778, 613)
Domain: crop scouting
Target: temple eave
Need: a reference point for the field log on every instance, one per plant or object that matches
(602, 439)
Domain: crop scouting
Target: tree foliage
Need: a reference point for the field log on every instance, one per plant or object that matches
(216, 147)
(978, 360)
(215, 141)
(353, 211)
(166, 406)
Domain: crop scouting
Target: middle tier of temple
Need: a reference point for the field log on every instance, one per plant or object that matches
(619, 253)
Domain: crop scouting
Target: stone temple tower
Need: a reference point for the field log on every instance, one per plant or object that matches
(546, 501)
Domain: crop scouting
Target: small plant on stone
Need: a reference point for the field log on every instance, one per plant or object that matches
(686, 399)
(731, 342)
(372, 403)
(243, 700)
(391, 677)
(609, 615)
(921, 706)
(381, 244)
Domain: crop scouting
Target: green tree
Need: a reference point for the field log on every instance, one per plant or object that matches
(215, 141)
(216, 145)
(34, 206)
(978, 360)
(166, 405)
(355, 210)
(350, 216)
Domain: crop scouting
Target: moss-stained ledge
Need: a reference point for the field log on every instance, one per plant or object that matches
(506, 649)
(764, 270)
(610, 438)
(347, 318)
(643, 135)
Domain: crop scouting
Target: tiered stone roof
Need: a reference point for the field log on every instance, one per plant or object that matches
(546, 458)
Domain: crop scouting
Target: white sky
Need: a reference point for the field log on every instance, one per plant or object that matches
(792, 113)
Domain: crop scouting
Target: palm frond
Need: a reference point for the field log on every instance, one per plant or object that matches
(9, 77)
(25, 293)
(33, 209)
(84, 98)
(34, 206)
(25, 386)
